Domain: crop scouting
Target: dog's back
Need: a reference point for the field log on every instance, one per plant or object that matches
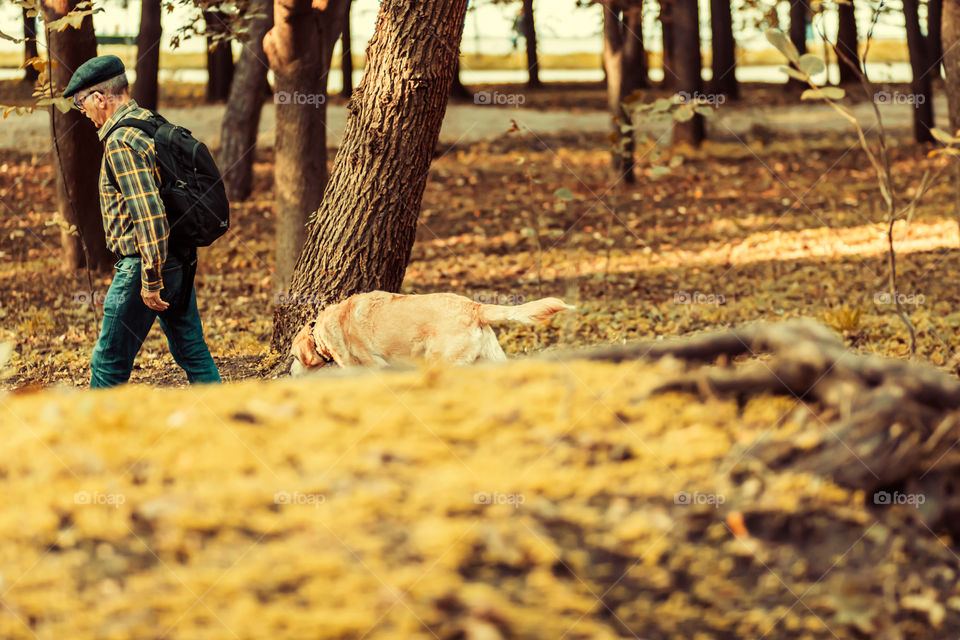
(379, 328)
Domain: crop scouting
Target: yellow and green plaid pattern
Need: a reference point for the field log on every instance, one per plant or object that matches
(133, 216)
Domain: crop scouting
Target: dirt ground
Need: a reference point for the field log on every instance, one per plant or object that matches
(765, 227)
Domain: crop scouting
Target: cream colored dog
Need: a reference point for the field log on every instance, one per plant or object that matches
(380, 328)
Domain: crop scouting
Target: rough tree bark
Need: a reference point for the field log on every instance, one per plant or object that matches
(299, 48)
(145, 88)
(686, 29)
(921, 88)
(241, 120)
(799, 11)
(346, 55)
(78, 166)
(530, 36)
(668, 55)
(634, 50)
(621, 82)
(950, 32)
(723, 46)
(361, 238)
(847, 43)
(219, 59)
(30, 74)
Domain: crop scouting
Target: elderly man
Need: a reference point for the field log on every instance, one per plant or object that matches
(149, 281)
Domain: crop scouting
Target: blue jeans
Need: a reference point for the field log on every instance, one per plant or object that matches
(127, 320)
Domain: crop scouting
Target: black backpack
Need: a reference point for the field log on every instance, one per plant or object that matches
(191, 187)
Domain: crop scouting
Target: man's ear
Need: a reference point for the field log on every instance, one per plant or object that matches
(304, 349)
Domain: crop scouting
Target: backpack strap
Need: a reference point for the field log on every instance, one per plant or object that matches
(149, 127)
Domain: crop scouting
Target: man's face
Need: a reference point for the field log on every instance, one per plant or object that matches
(93, 104)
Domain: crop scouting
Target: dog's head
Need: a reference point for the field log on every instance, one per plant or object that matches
(307, 356)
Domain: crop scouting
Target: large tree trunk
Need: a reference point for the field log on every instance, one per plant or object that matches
(241, 120)
(299, 48)
(346, 54)
(219, 59)
(847, 44)
(30, 74)
(668, 56)
(145, 88)
(686, 28)
(723, 47)
(620, 83)
(78, 164)
(530, 36)
(363, 233)
(951, 59)
(799, 11)
(920, 63)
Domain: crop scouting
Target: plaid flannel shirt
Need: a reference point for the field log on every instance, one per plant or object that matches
(133, 216)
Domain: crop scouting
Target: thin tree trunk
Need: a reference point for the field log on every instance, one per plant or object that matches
(934, 35)
(847, 44)
(634, 51)
(299, 48)
(457, 89)
(920, 63)
(219, 59)
(686, 28)
(530, 36)
(723, 47)
(346, 55)
(241, 120)
(30, 74)
(950, 32)
(799, 11)
(78, 165)
(668, 56)
(363, 233)
(619, 85)
(145, 88)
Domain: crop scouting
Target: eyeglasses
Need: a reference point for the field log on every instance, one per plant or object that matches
(78, 100)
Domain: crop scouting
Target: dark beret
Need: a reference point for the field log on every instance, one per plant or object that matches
(93, 71)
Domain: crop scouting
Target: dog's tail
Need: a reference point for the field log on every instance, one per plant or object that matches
(529, 313)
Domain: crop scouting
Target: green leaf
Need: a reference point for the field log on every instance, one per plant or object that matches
(662, 104)
(563, 194)
(796, 75)
(823, 93)
(659, 171)
(811, 64)
(943, 137)
(683, 113)
(704, 110)
(676, 161)
(779, 39)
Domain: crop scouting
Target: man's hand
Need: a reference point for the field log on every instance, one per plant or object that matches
(152, 299)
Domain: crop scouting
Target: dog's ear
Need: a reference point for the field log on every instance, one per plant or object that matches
(304, 349)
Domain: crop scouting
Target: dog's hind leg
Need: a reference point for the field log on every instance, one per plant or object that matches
(490, 349)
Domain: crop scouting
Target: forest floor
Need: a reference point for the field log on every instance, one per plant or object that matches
(760, 228)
